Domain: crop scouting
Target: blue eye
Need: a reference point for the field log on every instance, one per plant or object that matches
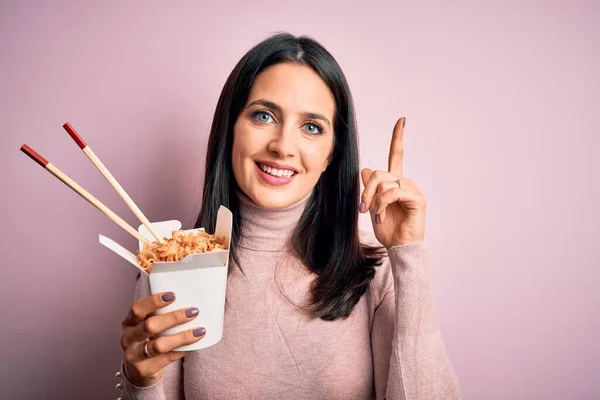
(262, 116)
(312, 128)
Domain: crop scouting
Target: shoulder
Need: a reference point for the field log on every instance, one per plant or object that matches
(383, 282)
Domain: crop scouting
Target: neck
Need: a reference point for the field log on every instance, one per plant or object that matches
(268, 230)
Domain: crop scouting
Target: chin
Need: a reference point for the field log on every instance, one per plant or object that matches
(272, 201)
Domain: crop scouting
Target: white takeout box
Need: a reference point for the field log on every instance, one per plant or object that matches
(199, 280)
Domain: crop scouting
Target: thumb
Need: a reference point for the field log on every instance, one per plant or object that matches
(365, 174)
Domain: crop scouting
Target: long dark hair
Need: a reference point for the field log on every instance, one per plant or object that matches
(326, 239)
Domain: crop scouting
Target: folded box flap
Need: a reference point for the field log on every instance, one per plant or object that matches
(224, 224)
(120, 250)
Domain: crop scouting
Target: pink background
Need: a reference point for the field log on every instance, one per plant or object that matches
(501, 136)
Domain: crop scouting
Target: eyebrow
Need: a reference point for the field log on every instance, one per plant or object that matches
(275, 107)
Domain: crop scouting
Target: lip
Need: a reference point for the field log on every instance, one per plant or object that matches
(278, 166)
(273, 180)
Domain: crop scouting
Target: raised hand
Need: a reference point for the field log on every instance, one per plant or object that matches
(396, 205)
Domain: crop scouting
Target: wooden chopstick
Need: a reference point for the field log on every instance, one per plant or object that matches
(110, 178)
(81, 191)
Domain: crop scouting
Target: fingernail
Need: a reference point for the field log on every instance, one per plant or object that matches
(377, 220)
(363, 207)
(170, 296)
(403, 122)
(376, 208)
(191, 312)
(199, 332)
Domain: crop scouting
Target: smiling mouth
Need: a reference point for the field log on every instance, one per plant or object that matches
(279, 173)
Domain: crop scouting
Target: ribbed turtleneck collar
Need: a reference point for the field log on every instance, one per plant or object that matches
(268, 230)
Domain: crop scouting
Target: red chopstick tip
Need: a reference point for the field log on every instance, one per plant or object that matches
(34, 155)
(73, 133)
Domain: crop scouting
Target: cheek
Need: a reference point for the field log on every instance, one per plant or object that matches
(237, 153)
(316, 156)
(244, 147)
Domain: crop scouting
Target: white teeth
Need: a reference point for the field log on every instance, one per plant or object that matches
(282, 173)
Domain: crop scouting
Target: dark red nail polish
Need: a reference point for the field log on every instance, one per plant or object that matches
(377, 220)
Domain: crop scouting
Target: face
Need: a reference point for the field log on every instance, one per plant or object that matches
(283, 138)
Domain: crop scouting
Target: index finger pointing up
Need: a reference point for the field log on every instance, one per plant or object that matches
(396, 156)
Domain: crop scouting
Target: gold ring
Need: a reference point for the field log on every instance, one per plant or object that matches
(146, 353)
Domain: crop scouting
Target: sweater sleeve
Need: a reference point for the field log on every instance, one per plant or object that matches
(170, 386)
(409, 355)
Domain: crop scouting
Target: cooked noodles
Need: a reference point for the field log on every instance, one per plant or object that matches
(180, 245)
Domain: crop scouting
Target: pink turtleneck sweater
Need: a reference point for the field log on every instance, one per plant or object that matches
(390, 347)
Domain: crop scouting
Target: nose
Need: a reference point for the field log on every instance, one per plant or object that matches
(284, 142)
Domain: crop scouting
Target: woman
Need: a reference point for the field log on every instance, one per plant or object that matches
(313, 310)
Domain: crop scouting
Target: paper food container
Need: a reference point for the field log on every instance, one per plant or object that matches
(198, 280)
